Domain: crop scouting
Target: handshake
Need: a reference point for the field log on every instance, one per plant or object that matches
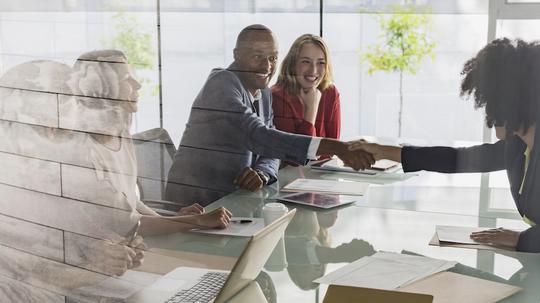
(359, 154)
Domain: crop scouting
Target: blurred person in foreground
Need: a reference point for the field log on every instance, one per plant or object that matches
(110, 94)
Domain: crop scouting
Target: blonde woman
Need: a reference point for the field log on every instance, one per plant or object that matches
(304, 100)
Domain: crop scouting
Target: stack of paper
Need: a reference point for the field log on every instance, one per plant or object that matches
(385, 270)
(327, 187)
(239, 227)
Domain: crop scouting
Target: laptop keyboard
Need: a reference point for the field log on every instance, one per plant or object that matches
(204, 291)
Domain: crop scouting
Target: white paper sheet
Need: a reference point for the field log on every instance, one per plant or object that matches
(327, 186)
(457, 234)
(236, 229)
(385, 271)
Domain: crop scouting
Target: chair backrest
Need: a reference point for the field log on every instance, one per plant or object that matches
(155, 154)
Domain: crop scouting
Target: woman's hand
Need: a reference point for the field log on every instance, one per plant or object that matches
(311, 98)
(218, 218)
(138, 247)
(193, 209)
(497, 237)
(110, 258)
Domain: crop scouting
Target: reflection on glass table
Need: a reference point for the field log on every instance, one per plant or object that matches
(398, 217)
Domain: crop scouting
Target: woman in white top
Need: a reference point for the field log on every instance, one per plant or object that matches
(105, 96)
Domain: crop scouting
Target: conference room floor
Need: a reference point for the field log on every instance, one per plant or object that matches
(396, 215)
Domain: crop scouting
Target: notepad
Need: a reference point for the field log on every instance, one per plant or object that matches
(327, 186)
(457, 234)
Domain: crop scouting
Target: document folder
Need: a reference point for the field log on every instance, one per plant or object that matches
(447, 287)
(444, 287)
(347, 294)
(436, 242)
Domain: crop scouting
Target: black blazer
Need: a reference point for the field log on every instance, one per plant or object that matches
(505, 154)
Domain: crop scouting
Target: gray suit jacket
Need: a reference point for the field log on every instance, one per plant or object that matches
(223, 136)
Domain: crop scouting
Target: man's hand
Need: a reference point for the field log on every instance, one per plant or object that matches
(357, 159)
(249, 179)
(497, 237)
(193, 209)
(218, 218)
(378, 151)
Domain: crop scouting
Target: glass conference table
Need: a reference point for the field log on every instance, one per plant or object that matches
(396, 215)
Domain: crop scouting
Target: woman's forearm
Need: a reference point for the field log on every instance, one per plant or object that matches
(159, 225)
(391, 153)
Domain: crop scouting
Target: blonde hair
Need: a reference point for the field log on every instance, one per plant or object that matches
(287, 77)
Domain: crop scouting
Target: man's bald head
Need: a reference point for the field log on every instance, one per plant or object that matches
(255, 57)
(252, 33)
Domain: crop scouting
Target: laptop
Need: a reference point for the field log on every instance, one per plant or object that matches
(190, 284)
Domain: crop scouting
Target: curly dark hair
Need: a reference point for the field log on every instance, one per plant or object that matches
(504, 78)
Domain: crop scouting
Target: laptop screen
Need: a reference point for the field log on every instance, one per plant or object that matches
(252, 260)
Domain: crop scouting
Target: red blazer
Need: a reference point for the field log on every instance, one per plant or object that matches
(289, 113)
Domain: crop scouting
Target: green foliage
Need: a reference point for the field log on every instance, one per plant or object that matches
(403, 43)
(401, 47)
(137, 43)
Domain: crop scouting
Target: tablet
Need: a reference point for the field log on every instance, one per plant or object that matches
(317, 200)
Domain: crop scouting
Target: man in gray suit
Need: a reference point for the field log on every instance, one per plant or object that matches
(230, 140)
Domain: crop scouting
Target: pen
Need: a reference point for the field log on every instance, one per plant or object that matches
(134, 232)
(241, 221)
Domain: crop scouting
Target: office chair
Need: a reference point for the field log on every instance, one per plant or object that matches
(155, 154)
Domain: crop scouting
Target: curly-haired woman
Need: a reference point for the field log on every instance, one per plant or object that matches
(503, 79)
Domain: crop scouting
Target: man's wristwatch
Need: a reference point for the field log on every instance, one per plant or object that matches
(265, 177)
